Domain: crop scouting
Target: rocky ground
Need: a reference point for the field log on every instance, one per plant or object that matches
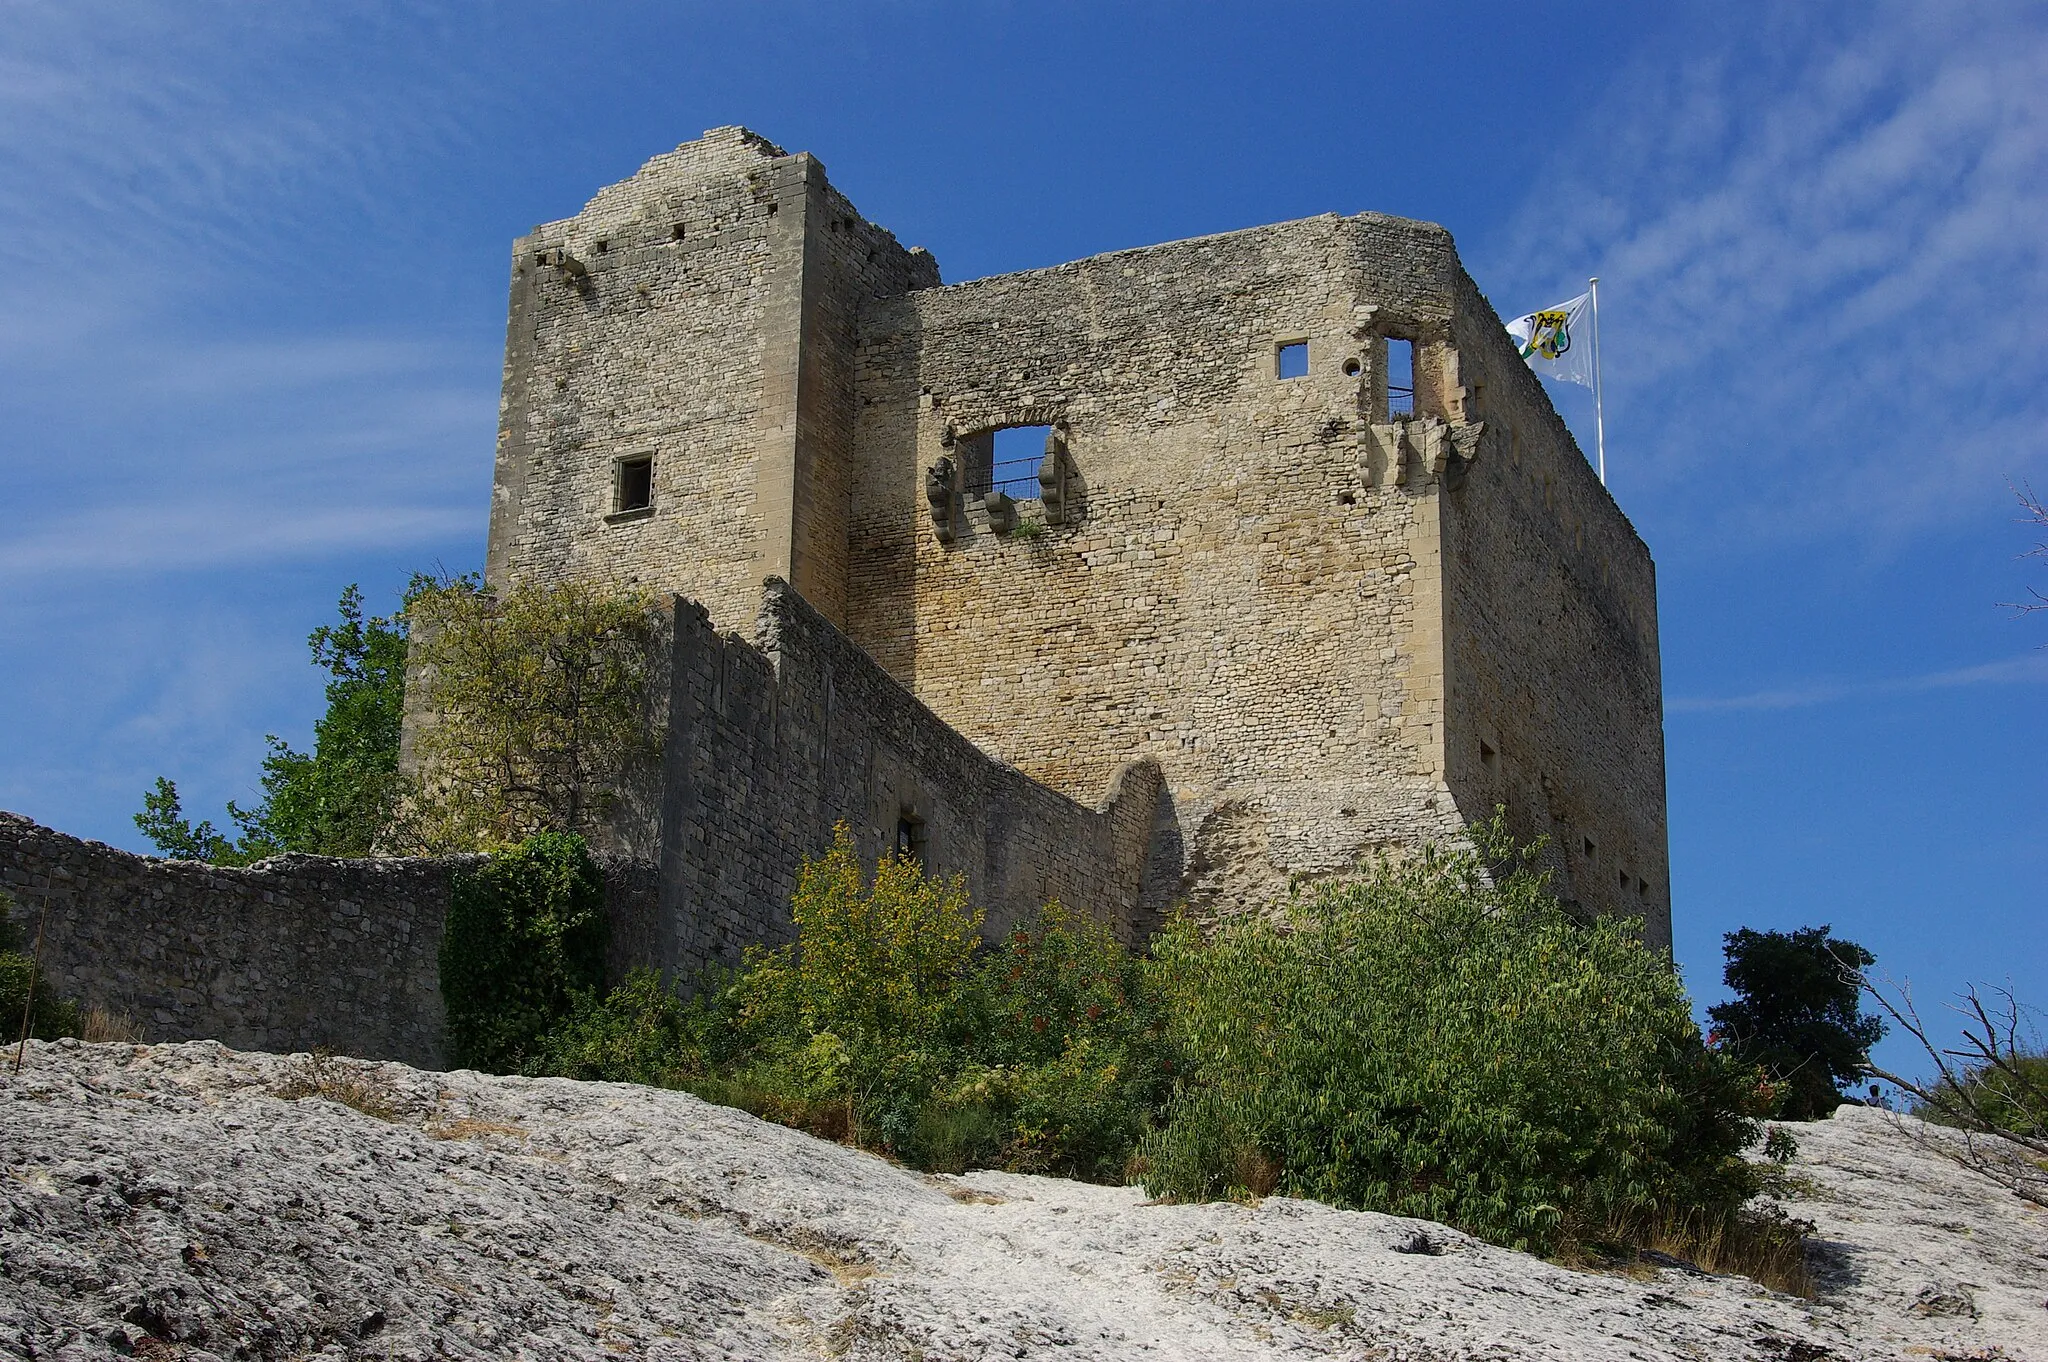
(187, 1201)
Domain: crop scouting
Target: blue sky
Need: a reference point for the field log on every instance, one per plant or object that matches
(253, 319)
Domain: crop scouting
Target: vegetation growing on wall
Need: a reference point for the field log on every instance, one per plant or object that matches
(524, 944)
(539, 705)
(337, 799)
(25, 995)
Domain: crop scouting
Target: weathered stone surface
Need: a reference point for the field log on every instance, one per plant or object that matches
(169, 1193)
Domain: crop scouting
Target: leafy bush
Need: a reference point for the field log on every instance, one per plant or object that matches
(880, 1025)
(524, 945)
(639, 1033)
(1434, 1040)
(25, 991)
(539, 698)
(1442, 1042)
(1796, 1013)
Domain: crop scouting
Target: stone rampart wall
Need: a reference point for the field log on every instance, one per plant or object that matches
(1554, 687)
(291, 954)
(771, 744)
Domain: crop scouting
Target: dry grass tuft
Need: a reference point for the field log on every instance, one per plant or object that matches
(468, 1128)
(1765, 1245)
(364, 1091)
(100, 1025)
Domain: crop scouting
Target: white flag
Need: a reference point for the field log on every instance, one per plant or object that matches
(1554, 342)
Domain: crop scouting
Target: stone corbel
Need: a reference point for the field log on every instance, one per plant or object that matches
(568, 269)
(1381, 455)
(1002, 512)
(1054, 473)
(1464, 436)
(942, 494)
(1430, 439)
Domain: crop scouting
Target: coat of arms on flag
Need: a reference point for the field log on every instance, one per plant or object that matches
(1546, 340)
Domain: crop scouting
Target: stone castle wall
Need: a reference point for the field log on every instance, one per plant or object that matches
(1232, 595)
(699, 313)
(1335, 626)
(295, 953)
(1555, 690)
(771, 744)
(292, 954)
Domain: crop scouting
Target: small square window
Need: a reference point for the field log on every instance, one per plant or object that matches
(1291, 360)
(633, 485)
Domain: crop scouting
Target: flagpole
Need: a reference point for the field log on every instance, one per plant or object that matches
(1599, 416)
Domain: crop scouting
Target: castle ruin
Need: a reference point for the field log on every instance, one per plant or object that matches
(1296, 563)
(1252, 601)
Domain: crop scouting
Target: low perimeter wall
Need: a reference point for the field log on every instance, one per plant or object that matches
(291, 954)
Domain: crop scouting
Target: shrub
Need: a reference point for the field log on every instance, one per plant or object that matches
(875, 967)
(25, 991)
(639, 1033)
(523, 945)
(1447, 1043)
(539, 705)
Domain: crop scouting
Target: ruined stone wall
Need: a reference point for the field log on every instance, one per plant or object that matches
(299, 952)
(770, 746)
(289, 955)
(695, 313)
(1556, 692)
(1237, 597)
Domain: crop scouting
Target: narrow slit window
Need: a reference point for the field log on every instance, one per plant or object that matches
(1590, 848)
(1291, 360)
(909, 838)
(1486, 755)
(1400, 377)
(633, 485)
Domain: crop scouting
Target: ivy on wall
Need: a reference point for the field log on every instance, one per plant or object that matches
(525, 940)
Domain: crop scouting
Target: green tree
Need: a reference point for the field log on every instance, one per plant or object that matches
(539, 705)
(163, 821)
(1796, 1012)
(338, 799)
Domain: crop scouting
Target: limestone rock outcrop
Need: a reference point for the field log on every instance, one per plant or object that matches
(188, 1201)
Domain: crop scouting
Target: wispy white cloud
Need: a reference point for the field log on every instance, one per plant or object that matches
(1823, 265)
(2028, 669)
(128, 539)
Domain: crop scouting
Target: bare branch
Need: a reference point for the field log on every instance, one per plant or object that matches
(1991, 1091)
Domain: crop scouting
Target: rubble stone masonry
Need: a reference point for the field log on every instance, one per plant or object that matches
(1338, 619)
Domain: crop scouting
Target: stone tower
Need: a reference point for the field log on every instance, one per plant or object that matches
(1296, 527)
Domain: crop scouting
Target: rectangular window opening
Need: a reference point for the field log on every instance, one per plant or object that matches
(910, 839)
(1400, 377)
(1624, 881)
(1589, 848)
(1291, 360)
(1011, 467)
(1643, 888)
(633, 485)
(1485, 755)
